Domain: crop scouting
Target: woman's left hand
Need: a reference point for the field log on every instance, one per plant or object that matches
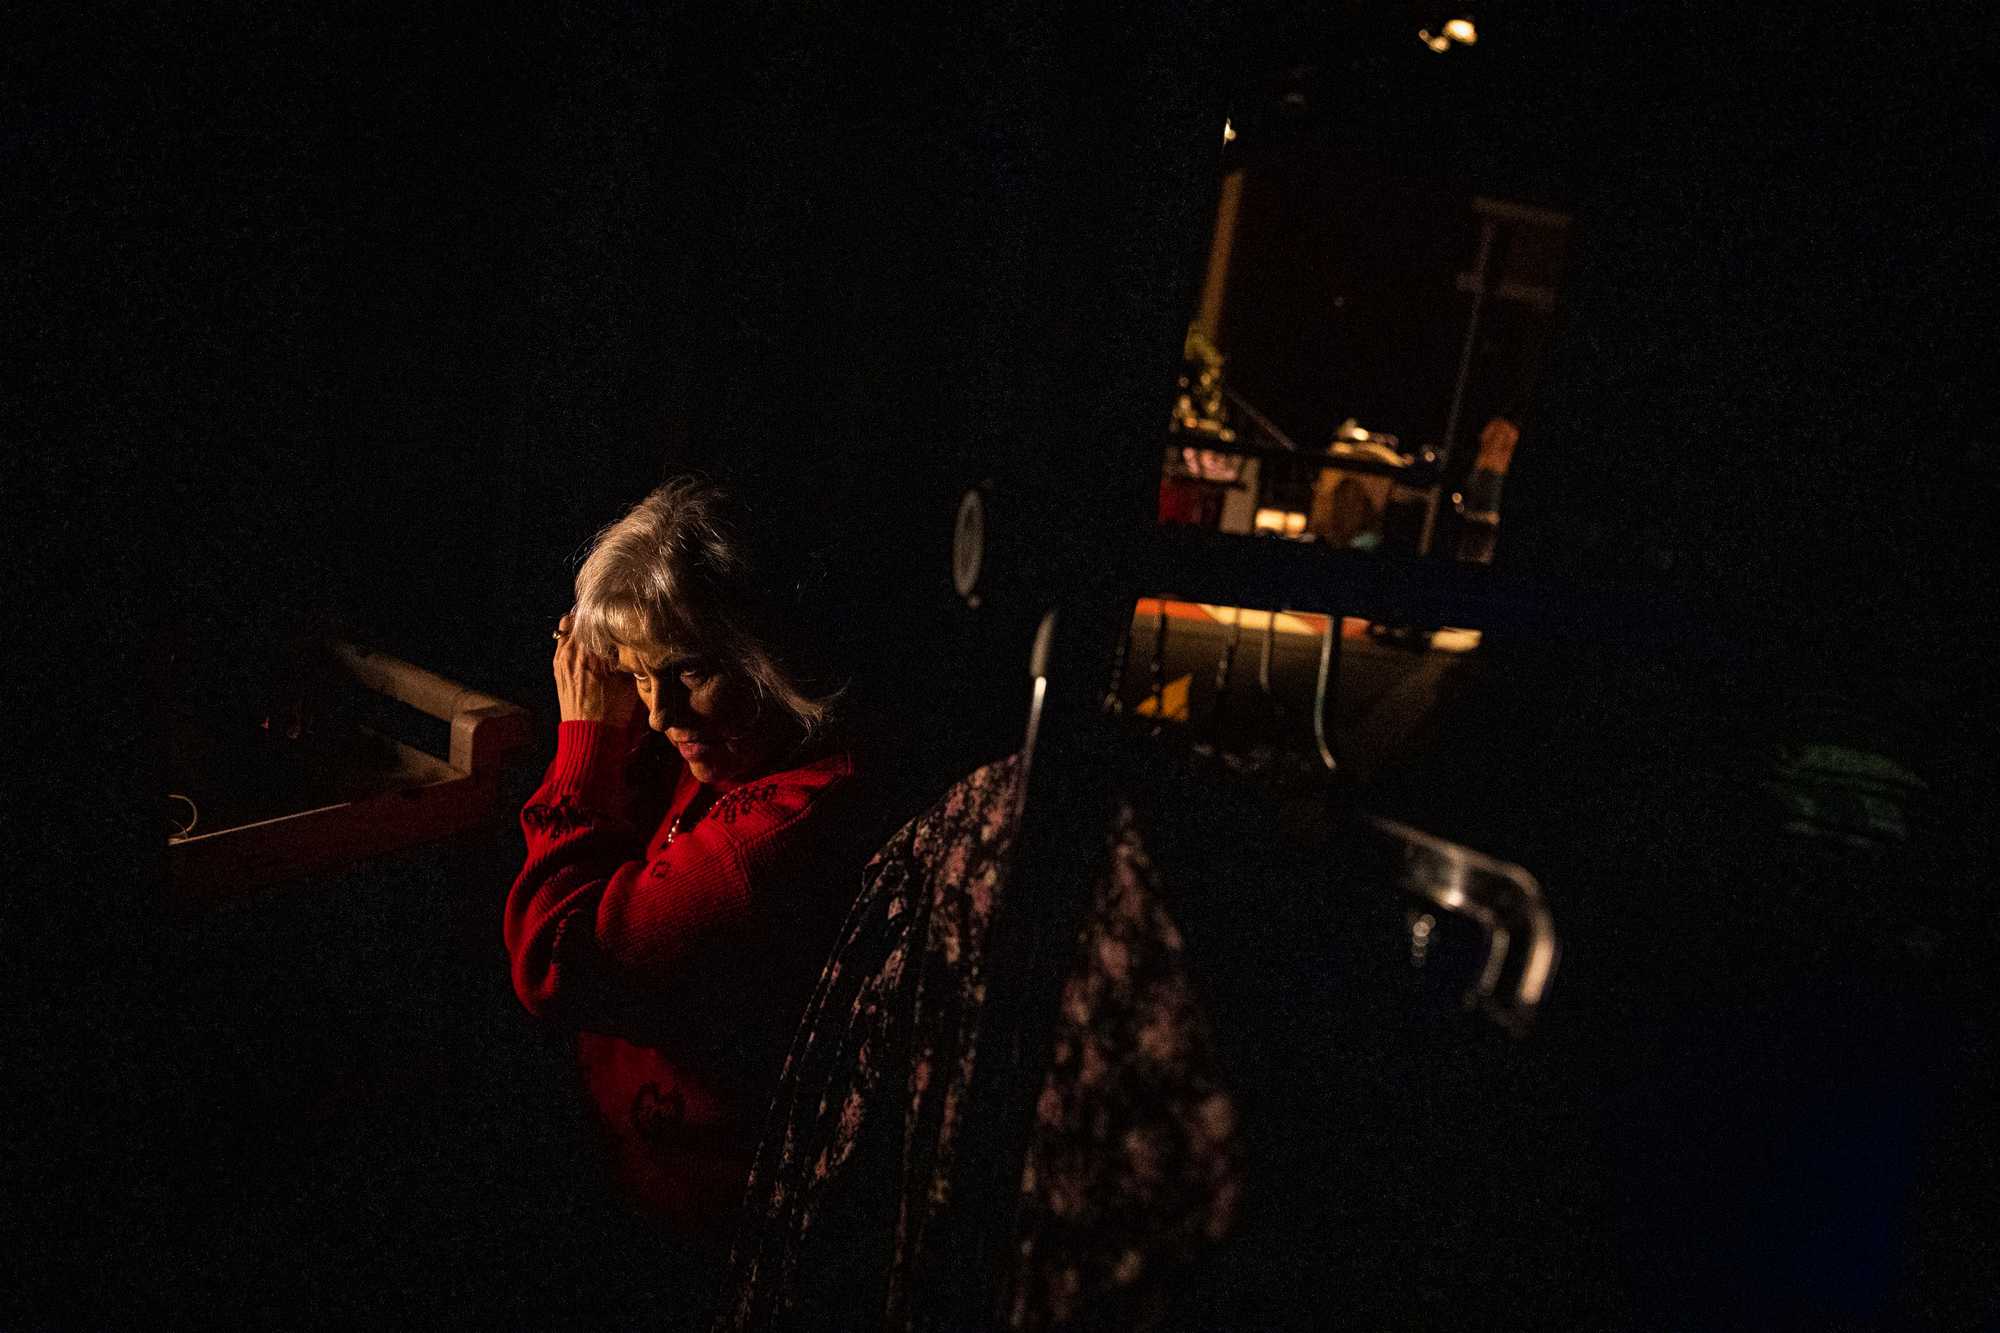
(589, 689)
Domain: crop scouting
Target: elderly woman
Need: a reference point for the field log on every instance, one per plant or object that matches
(690, 851)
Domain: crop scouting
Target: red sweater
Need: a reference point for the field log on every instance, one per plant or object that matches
(682, 955)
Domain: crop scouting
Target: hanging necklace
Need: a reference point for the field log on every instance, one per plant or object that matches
(690, 816)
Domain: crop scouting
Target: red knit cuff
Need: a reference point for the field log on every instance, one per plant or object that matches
(590, 760)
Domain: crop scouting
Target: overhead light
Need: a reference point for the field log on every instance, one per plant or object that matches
(1461, 31)
(1228, 132)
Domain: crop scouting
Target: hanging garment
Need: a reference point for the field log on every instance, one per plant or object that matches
(1133, 1165)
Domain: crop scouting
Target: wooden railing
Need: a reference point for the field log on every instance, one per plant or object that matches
(422, 798)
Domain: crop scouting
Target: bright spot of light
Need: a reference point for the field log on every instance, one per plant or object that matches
(1459, 30)
(1228, 132)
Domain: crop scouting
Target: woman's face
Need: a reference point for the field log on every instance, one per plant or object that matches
(708, 712)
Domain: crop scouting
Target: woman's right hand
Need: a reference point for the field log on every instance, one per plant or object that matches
(589, 689)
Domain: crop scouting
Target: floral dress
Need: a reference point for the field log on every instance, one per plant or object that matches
(1133, 1165)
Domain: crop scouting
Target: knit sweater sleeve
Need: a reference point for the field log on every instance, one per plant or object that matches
(596, 918)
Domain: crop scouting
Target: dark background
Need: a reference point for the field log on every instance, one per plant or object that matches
(371, 321)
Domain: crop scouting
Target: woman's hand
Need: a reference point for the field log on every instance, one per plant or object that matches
(589, 689)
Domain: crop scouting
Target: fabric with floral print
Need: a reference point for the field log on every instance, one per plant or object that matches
(1133, 1164)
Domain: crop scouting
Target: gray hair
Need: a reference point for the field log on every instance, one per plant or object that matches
(676, 571)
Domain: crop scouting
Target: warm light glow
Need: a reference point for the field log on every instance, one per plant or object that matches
(1461, 31)
(1289, 522)
(1454, 640)
(1228, 132)
(1171, 702)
